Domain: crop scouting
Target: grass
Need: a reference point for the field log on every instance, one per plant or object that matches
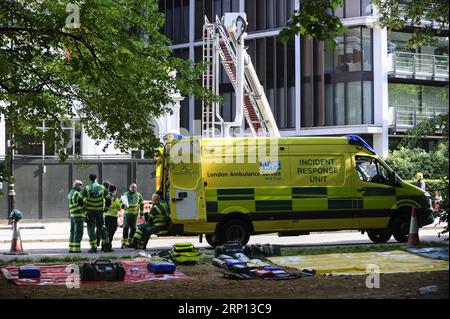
(288, 251)
(295, 251)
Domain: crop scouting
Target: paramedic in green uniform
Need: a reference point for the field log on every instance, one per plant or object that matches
(76, 204)
(112, 213)
(97, 198)
(130, 215)
(158, 219)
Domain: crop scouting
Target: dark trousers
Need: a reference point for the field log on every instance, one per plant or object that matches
(129, 225)
(76, 233)
(95, 220)
(111, 226)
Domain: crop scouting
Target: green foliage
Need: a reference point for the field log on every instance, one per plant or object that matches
(407, 162)
(431, 127)
(396, 16)
(113, 72)
(314, 20)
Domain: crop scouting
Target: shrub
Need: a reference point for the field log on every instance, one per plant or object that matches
(407, 162)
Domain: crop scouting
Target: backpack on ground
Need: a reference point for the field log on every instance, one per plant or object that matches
(102, 270)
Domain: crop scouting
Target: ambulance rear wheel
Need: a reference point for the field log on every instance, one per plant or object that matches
(211, 239)
(400, 228)
(379, 236)
(233, 230)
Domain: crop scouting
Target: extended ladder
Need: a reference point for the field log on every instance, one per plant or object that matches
(220, 46)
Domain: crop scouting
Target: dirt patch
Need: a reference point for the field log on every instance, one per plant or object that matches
(207, 282)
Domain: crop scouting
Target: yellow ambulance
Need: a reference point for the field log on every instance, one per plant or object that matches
(229, 189)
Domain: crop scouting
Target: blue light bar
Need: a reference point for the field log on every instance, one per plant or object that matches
(356, 140)
(168, 138)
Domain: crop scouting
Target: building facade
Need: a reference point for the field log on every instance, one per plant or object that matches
(369, 84)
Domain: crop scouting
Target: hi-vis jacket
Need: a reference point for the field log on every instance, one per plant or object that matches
(158, 215)
(135, 202)
(95, 196)
(75, 204)
(114, 209)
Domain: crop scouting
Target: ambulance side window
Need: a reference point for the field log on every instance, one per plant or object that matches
(370, 170)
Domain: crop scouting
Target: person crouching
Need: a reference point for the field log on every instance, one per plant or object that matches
(158, 219)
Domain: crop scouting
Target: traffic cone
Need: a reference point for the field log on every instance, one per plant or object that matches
(413, 237)
(16, 242)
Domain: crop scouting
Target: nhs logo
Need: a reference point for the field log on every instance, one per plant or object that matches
(271, 166)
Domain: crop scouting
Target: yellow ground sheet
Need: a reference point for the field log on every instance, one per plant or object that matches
(357, 263)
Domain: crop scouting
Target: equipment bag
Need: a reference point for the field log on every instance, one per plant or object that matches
(231, 262)
(185, 253)
(239, 268)
(186, 257)
(181, 247)
(262, 273)
(161, 267)
(102, 270)
(29, 272)
(241, 257)
(231, 248)
(266, 250)
(219, 263)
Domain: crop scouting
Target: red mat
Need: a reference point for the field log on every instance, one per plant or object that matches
(56, 275)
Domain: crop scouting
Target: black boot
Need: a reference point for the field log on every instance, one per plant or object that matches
(107, 248)
(92, 250)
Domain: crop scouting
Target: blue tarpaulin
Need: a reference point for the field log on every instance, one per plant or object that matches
(431, 252)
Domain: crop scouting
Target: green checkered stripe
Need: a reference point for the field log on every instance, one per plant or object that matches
(258, 201)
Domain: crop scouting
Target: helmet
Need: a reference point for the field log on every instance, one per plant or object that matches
(16, 214)
(419, 175)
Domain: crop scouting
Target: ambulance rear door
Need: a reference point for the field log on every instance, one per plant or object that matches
(187, 197)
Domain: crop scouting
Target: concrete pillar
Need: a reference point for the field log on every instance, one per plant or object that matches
(2, 136)
(380, 90)
(381, 144)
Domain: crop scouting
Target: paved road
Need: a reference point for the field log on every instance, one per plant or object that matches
(50, 239)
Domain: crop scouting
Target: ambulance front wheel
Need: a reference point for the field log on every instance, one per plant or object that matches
(379, 236)
(400, 228)
(233, 230)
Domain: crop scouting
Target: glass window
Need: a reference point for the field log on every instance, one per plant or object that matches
(367, 49)
(353, 99)
(339, 57)
(35, 145)
(370, 170)
(268, 14)
(352, 8)
(353, 50)
(367, 103)
(329, 107)
(328, 56)
(339, 103)
(366, 8)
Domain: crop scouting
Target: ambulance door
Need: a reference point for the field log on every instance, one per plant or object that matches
(322, 195)
(375, 192)
(187, 197)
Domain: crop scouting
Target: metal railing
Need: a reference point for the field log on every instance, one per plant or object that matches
(402, 116)
(418, 65)
(79, 157)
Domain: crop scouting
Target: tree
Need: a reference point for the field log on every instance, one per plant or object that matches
(315, 19)
(396, 15)
(113, 70)
(432, 127)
